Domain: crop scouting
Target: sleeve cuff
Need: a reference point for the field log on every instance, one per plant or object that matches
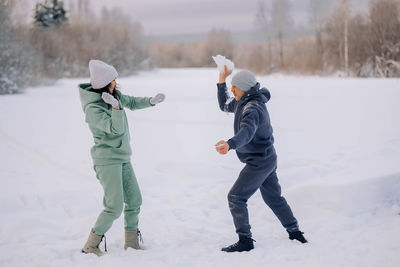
(221, 85)
(231, 144)
(151, 105)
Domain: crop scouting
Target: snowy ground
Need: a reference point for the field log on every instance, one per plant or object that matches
(338, 142)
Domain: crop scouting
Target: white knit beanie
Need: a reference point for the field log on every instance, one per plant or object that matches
(101, 73)
(244, 80)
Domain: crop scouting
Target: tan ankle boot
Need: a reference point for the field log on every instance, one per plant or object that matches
(132, 238)
(92, 244)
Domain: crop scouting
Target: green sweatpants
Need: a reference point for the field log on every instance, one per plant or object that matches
(120, 186)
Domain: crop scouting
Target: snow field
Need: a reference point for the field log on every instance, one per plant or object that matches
(338, 144)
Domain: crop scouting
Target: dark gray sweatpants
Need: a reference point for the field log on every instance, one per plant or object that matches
(264, 178)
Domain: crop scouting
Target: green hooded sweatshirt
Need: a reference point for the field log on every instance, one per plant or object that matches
(109, 126)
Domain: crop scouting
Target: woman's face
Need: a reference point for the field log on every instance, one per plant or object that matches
(112, 86)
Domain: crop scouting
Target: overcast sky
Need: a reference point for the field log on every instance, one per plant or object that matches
(199, 16)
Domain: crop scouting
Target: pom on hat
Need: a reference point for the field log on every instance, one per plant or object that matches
(101, 73)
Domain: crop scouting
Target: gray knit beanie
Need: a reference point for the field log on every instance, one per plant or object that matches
(244, 80)
(101, 73)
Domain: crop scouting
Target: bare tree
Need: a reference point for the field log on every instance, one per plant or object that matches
(282, 23)
(318, 15)
(263, 21)
(333, 42)
(337, 31)
(345, 10)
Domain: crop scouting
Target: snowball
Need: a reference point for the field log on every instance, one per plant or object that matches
(221, 61)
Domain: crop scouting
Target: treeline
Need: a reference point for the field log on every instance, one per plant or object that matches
(360, 44)
(66, 50)
(195, 54)
(61, 40)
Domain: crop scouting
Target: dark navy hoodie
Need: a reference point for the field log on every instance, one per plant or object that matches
(253, 140)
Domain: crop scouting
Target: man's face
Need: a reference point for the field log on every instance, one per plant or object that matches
(237, 93)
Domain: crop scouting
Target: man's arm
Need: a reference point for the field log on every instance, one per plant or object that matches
(247, 129)
(226, 103)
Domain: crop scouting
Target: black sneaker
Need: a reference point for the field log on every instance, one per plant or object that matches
(244, 244)
(298, 235)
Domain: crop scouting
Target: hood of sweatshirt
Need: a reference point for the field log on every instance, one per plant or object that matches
(261, 94)
(88, 97)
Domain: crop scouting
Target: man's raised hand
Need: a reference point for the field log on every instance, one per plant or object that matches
(224, 74)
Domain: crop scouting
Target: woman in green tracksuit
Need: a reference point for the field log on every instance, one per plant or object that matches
(104, 111)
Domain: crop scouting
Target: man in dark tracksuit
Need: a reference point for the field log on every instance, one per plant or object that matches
(253, 142)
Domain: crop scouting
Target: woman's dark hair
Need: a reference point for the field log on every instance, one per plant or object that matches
(106, 90)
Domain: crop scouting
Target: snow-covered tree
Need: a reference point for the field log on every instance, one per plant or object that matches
(17, 58)
(384, 32)
(50, 13)
(6, 84)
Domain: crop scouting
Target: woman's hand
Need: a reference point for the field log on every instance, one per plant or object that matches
(222, 147)
(157, 99)
(109, 99)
